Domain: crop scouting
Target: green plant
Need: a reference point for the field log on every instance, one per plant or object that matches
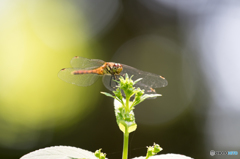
(124, 106)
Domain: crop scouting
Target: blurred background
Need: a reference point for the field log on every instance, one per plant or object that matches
(193, 44)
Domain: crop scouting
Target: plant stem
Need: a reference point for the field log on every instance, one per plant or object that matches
(127, 104)
(125, 143)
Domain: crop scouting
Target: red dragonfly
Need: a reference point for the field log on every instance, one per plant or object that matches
(85, 72)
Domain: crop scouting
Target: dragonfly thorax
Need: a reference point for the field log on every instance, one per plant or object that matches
(113, 68)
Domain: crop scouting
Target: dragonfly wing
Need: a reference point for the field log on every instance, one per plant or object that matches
(82, 63)
(109, 83)
(148, 79)
(80, 79)
(148, 83)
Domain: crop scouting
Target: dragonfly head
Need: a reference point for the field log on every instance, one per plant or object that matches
(117, 68)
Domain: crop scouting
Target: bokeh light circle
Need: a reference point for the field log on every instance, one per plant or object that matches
(161, 56)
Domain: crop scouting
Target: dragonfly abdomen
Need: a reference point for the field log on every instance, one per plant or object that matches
(78, 72)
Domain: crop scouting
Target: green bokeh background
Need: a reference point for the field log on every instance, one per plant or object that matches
(37, 109)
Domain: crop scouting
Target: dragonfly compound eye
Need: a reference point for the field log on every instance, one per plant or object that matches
(118, 68)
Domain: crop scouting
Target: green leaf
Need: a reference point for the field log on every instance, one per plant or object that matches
(153, 150)
(166, 156)
(118, 93)
(117, 81)
(99, 154)
(142, 98)
(108, 94)
(157, 148)
(60, 152)
(145, 96)
(137, 81)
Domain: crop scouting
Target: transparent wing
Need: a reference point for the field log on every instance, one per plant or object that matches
(82, 63)
(109, 83)
(148, 83)
(148, 79)
(80, 79)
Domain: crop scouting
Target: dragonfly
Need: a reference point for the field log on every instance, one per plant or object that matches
(85, 72)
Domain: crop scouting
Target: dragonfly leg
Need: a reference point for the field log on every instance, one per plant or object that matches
(113, 77)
